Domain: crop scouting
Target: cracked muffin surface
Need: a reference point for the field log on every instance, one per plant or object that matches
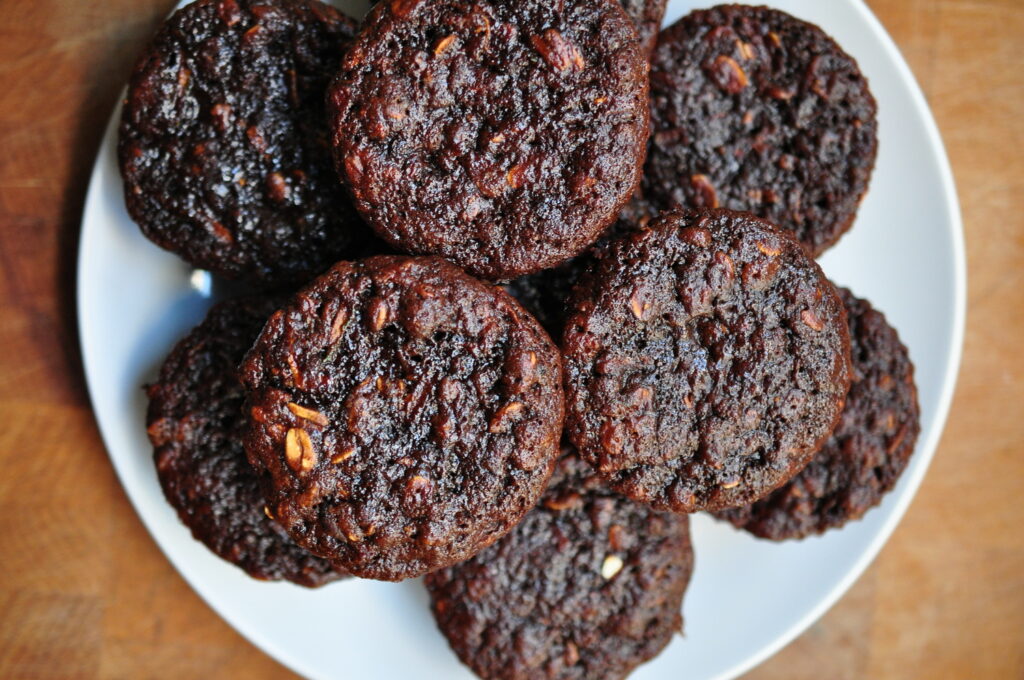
(589, 585)
(755, 110)
(707, 358)
(403, 414)
(223, 144)
(504, 136)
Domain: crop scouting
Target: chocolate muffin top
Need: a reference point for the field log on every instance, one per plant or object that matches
(223, 140)
(589, 585)
(706, 360)
(195, 422)
(502, 135)
(753, 109)
(404, 415)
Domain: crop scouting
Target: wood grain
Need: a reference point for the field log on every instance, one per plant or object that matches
(84, 591)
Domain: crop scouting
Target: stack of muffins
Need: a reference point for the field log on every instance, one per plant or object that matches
(529, 283)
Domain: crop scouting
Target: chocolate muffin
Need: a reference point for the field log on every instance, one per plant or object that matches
(505, 136)
(403, 414)
(223, 140)
(589, 585)
(867, 453)
(195, 423)
(706, 361)
(753, 109)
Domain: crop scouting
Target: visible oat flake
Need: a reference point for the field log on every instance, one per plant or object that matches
(339, 458)
(308, 414)
(379, 315)
(810, 319)
(707, 197)
(338, 325)
(745, 50)
(443, 44)
(514, 177)
(611, 566)
(639, 308)
(728, 75)
(558, 52)
(299, 451)
(501, 420)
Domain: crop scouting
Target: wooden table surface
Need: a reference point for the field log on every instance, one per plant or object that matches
(84, 591)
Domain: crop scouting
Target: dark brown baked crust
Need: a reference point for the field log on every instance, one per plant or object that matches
(504, 136)
(589, 585)
(706, 360)
(753, 109)
(404, 414)
(647, 16)
(867, 453)
(195, 423)
(223, 140)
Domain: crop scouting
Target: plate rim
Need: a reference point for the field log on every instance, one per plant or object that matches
(927, 448)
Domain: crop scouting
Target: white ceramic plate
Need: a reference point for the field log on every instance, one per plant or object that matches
(748, 598)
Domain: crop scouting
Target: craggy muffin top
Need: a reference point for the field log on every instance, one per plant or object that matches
(753, 109)
(502, 135)
(195, 422)
(404, 415)
(223, 141)
(589, 585)
(706, 359)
